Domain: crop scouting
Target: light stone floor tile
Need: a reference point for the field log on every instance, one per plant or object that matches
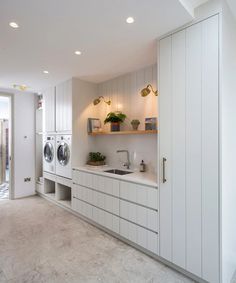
(40, 242)
(2, 277)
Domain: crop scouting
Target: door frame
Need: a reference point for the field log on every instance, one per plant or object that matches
(10, 96)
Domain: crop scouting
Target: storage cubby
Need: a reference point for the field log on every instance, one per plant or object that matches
(63, 194)
(49, 188)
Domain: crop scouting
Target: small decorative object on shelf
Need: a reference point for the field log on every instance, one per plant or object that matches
(94, 125)
(142, 167)
(115, 118)
(150, 123)
(96, 159)
(135, 123)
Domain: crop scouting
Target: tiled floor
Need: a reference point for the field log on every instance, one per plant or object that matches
(4, 192)
(40, 242)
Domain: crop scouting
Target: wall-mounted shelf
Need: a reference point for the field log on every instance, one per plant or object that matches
(143, 132)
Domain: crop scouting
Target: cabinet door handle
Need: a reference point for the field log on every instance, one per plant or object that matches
(164, 170)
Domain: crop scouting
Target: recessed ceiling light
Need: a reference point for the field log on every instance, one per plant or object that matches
(13, 25)
(130, 20)
(45, 72)
(77, 52)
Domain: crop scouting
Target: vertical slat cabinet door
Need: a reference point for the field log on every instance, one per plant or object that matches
(178, 148)
(194, 148)
(165, 128)
(68, 105)
(66, 110)
(64, 107)
(49, 110)
(210, 155)
(59, 105)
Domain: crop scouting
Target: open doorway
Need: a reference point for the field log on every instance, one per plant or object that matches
(5, 146)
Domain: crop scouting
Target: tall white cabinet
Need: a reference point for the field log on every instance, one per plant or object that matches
(58, 108)
(64, 107)
(49, 110)
(189, 149)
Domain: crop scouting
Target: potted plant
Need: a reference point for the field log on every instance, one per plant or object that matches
(135, 123)
(115, 118)
(96, 159)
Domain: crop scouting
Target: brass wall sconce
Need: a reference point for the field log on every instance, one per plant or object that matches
(98, 100)
(145, 92)
(20, 87)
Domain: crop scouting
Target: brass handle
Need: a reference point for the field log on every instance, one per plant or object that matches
(164, 170)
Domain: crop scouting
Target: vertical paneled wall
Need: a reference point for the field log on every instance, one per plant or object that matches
(124, 92)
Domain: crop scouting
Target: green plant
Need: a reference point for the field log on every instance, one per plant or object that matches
(96, 156)
(115, 117)
(135, 122)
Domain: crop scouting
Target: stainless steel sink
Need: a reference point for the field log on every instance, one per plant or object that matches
(118, 172)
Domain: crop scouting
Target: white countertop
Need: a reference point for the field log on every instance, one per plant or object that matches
(144, 178)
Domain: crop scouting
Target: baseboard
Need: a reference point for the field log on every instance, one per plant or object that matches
(27, 196)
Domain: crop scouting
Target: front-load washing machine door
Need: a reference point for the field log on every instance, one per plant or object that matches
(63, 153)
(48, 152)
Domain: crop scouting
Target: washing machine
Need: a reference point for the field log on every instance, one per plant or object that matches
(49, 154)
(63, 156)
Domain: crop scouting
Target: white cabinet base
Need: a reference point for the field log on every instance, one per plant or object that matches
(118, 235)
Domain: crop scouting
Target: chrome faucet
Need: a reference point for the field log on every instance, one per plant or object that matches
(126, 164)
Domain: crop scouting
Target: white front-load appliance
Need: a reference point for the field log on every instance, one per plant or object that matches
(63, 156)
(49, 154)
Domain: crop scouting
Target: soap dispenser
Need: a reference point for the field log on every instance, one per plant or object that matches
(142, 167)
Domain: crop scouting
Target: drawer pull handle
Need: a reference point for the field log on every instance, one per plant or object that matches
(164, 170)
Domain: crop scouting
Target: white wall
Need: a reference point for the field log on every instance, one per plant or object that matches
(4, 107)
(124, 92)
(232, 6)
(24, 144)
(228, 114)
(83, 95)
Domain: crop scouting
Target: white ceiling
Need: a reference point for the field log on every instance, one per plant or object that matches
(190, 5)
(51, 30)
(196, 3)
(232, 5)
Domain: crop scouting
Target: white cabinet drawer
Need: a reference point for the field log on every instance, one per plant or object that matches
(83, 193)
(106, 185)
(82, 208)
(97, 182)
(139, 235)
(138, 214)
(106, 219)
(101, 200)
(106, 202)
(83, 178)
(144, 195)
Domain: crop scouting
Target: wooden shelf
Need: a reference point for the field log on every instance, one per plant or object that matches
(124, 133)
